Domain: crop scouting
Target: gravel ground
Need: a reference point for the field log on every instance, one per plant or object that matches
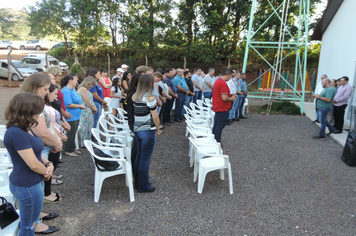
(285, 183)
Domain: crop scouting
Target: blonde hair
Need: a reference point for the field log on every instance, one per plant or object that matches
(88, 81)
(145, 86)
(33, 82)
(54, 70)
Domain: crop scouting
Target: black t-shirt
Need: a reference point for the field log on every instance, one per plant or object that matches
(190, 85)
(56, 104)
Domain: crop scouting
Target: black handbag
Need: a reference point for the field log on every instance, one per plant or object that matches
(8, 213)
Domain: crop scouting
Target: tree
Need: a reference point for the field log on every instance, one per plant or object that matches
(51, 18)
(14, 24)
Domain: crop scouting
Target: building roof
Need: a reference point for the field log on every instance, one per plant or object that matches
(328, 15)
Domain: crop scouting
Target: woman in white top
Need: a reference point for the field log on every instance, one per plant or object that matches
(116, 93)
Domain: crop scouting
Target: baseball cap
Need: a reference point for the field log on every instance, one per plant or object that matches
(124, 66)
(121, 70)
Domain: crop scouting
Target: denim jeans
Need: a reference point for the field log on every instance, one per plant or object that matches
(145, 141)
(232, 113)
(323, 114)
(241, 105)
(97, 115)
(207, 95)
(179, 106)
(30, 201)
(220, 120)
(197, 96)
(46, 150)
(188, 99)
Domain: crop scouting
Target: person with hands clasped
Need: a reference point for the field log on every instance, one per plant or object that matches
(146, 128)
(72, 101)
(30, 168)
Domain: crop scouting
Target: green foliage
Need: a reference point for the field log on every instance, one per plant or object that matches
(14, 24)
(281, 107)
(76, 69)
(58, 52)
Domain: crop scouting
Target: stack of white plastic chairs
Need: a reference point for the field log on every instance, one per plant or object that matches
(114, 138)
(205, 154)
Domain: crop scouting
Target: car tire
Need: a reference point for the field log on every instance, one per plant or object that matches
(38, 48)
(15, 77)
(22, 47)
(8, 47)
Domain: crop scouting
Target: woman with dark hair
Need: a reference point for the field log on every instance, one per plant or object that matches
(30, 168)
(105, 83)
(98, 95)
(126, 78)
(56, 124)
(73, 105)
(117, 95)
(39, 84)
(146, 128)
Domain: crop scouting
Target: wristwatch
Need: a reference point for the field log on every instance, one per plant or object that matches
(47, 164)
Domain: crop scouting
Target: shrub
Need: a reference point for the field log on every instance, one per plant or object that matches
(281, 107)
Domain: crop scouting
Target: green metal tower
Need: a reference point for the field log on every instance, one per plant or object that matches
(296, 46)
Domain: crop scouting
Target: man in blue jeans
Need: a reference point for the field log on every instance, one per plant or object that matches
(243, 96)
(182, 91)
(198, 84)
(222, 101)
(189, 97)
(324, 106)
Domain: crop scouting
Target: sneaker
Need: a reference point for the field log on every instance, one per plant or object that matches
(318, 137)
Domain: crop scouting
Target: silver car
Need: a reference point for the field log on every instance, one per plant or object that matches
(63, 65)
(24, 70)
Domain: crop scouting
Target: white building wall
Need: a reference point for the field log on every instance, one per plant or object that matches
(338, 49)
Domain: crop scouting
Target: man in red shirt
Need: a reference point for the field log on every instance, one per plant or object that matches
(222, 102)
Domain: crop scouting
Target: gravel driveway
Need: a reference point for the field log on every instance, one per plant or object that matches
(285, 183)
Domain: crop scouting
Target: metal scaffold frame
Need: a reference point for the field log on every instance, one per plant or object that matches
(292, 45)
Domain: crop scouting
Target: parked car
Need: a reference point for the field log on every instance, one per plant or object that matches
(38, 45)
(24, 70)
(62, 45)
(8, 44)
(63, 65)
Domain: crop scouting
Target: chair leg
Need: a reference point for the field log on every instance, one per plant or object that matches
(130, 184)
(222, 174)
(97, 186)
(195, 171)
(201, 179)
(230, 178)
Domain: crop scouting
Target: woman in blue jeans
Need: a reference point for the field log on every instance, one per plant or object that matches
(29, 166)
(146, 128)
(98, 94)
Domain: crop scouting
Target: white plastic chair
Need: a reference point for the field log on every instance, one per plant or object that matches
(103, 112)
(121, 114)
(121, 138)
(203, 137)
(100, 176)
(2, 132)
(245, 106)
(116, 120)
(77, 135)
(4, 159)
(209, 163)
(118, 129)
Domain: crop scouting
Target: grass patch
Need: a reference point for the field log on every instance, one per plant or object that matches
(281, 107)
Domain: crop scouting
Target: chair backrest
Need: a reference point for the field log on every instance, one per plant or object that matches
(121, 113)
(2, 132)
(208, 101)
(116, 120)
(198, 135)
(90, 146)
(200, 103)
(199, 152)
(200, 126)
(4, 178)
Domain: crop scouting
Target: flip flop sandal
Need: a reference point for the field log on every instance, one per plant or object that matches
(77, 151)
(71, 154)
(57, 176)
(56, 182)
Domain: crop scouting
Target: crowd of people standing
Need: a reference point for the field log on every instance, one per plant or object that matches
(57, 107)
